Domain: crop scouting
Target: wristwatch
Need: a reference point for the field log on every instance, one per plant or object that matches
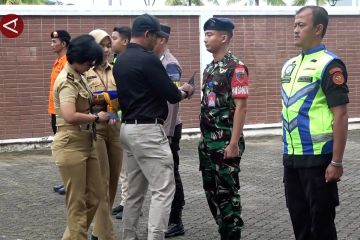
(97, 118)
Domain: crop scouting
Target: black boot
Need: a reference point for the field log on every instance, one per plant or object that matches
(117, 210)
(57, 187)
(232, 235)
(175, 229)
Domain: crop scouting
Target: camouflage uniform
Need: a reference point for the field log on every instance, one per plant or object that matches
(221, 176)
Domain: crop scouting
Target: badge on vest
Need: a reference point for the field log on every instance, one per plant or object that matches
(287, 74)
(307, 79)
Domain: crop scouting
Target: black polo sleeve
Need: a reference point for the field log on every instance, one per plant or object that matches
(334, 84)
(160, 81)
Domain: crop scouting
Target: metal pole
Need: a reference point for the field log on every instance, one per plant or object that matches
(189, 2)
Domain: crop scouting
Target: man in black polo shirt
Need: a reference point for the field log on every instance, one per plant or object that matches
(144, 89)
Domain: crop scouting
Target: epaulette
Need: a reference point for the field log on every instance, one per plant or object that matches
(70, 76)
(90, 77)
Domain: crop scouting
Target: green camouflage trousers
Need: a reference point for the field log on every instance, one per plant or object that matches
(221, 184)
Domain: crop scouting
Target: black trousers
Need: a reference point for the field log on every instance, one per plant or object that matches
(311, 203)
(179, 201)
(53, 123)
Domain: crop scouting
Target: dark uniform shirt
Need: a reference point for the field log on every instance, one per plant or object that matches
(336, 95)
(143, 85)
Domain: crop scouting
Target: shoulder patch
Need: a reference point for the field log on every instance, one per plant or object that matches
(338, 78)
(70, 76)
(240, 73)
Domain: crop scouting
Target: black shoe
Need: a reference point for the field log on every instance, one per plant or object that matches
(233, 235)
(62, 191)
(119, 215)
(117, 209)
(175, 230)
(57, 187)
(94, 238)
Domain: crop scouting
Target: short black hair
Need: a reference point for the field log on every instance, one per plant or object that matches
(62, 35)
(320, 16)
(126, 31)
(84, 49)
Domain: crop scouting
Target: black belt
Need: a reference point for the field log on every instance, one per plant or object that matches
(144, 121)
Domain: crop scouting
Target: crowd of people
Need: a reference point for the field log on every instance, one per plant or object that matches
(116, 117)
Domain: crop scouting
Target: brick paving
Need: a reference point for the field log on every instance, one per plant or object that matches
(30, 210)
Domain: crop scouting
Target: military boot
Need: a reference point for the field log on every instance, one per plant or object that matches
(230, 235)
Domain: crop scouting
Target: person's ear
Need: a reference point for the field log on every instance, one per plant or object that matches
(319, 29)
(147, 34)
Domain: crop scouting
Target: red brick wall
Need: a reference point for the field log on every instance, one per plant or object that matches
(261, 42)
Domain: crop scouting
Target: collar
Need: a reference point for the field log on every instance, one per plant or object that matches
(135, 45)
(103, 68)
(224, 60)
(61, 59)
(314, 49)
(70, 70)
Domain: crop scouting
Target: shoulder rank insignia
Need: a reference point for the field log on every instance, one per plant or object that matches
(70, 76)
(90, 77)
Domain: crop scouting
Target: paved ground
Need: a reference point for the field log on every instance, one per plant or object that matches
(30, 210)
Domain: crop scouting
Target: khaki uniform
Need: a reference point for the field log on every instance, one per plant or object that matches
(109, 152)
(74, 153)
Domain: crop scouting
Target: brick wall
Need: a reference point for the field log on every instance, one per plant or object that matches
(261, 42)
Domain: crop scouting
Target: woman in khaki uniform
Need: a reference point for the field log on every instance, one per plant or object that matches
(73, 149)
(108, 147)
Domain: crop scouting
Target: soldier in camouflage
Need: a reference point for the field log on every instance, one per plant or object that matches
(222, 117)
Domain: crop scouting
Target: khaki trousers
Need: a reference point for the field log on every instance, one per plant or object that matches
(74, 154)
(109, 153)
(124, 180)
(149, 165)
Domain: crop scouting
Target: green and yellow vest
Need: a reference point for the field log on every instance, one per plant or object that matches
(307, 119)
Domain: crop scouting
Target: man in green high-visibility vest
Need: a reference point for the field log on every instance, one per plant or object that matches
(315, 120)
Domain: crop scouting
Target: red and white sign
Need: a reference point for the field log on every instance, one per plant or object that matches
(11, 25)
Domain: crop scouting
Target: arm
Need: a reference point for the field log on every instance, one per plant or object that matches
(239, 87)
(232, 150)
(340, 127)
(161, 83)
(67, 96)
(70, 115)
(334, 85)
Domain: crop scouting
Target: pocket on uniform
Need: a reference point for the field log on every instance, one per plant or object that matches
(326, 193)
(164, 138)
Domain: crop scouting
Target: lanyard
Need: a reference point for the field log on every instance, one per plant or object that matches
(106, 83)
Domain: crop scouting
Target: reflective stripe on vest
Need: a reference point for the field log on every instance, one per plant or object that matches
(307, 121)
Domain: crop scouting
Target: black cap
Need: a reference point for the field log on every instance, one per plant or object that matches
(219, 24)
(165, 31)
(146, 22)
(62, 35)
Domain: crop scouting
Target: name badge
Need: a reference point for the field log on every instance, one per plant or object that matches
(211, 99)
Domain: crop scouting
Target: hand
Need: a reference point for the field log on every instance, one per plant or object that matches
(187, 88)
(103, 116)
(333, 174)
(231, 151)
(112, 121)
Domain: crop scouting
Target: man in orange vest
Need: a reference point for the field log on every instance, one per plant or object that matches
(60, 40)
